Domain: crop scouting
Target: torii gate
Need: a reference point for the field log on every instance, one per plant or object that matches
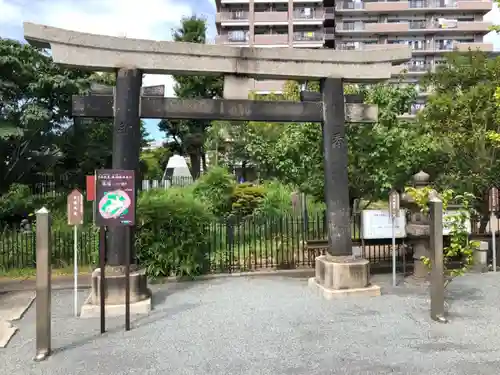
(336, 272)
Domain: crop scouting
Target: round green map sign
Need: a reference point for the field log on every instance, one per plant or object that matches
(114, 204)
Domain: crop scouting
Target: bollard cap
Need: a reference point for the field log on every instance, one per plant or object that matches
(434, 196)
(42, 211)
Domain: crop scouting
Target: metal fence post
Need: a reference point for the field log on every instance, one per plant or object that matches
(43, 287)
(436, 249)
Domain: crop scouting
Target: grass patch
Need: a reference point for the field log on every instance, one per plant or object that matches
(30, 273)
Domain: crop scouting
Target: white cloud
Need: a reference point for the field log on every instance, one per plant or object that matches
(151, 19)
(10, 13)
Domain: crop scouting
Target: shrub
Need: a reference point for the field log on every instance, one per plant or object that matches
(16, 204)
(216, 189)
(277, 200)
(246, 199)
(173, 233)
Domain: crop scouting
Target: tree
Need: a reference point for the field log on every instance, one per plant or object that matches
(38, 138)
(463, 117)
(155, 161)
(381, 155)
(35, 106)
(191, 133)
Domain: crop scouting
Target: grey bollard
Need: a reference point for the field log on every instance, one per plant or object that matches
(43, 287)
(480, 257)
(437, 262)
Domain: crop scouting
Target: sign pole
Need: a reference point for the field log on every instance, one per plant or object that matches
(102, 255)
(394, 283)
(493, 245)
(127, 278)
(75, 265)
(75, 218)
(394, 212)
(493, 208)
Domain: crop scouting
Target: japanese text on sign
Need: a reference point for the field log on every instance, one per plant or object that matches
(115, 197)
(75, 208)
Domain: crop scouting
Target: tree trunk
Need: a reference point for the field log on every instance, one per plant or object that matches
(483, 223)
(204, 161)
(485, 214)
(195, 164)
(244, 171)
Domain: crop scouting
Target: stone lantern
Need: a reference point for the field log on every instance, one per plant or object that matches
(417, 227)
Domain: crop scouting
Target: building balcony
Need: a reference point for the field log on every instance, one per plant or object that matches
(307, 16)
(356, 46)
(414, 6)
(271, 39)
(486, 6)
(268, 18)
(307, 37)
(422, 27)
(236, 18)
(423, 48)
(240, 38)
(464, 47)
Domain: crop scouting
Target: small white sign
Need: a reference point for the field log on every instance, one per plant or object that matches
(377, 224)
(447, 216)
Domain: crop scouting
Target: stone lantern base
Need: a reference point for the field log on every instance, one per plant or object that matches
(342, 276)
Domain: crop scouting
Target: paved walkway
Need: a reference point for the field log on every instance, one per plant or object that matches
(274, 326)
(58, 282)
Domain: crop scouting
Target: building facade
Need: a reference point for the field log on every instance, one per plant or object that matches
(429, 27)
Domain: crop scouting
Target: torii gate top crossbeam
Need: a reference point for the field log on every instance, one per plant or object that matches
(107, 53)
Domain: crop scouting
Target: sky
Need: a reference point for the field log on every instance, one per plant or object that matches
(147, 19)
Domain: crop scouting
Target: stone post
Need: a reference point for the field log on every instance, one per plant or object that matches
(480, 257)
(417, 228)
(436, 256)
(43, 287)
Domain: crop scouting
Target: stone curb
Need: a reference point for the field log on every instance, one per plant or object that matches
(84, 280)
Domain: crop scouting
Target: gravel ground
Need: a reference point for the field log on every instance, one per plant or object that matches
(274, 325)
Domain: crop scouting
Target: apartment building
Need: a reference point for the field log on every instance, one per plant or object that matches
(429, 27)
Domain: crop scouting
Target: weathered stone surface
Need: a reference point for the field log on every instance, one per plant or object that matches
(342, 272)
(228, 109)
(480, 257)
(106, 53)
(417, 230)
(341, 276)
(115, 287)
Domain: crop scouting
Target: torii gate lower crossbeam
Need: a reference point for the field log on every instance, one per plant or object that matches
(127, 107)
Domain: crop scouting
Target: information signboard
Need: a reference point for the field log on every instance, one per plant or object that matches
(75, 208)
(115, 198)
(377, 224)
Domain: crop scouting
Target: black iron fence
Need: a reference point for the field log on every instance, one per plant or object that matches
(231, 246)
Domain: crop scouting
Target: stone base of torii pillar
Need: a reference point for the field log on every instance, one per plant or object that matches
(140, 295)
(342, 276)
